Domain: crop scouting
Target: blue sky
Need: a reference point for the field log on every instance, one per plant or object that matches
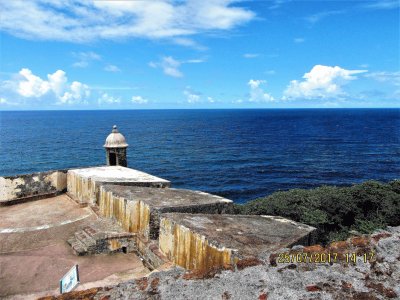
(67, 54)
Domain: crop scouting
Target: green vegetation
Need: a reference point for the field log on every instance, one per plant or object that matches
(335, 211)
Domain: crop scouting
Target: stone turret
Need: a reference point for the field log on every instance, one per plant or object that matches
(115, 146)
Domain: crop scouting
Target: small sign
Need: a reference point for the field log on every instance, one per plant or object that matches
(70, 280)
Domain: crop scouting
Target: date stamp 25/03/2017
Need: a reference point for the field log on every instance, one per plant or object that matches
(322, 257)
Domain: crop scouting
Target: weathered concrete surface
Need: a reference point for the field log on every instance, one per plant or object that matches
(20, 188)
(40, 215)
(378, 278)
(83, 184)
(199, 241)
(138, 209)
(34, 253)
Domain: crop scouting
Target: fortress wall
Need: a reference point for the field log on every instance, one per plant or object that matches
(84, 184)
(191, 250)
(28, 187)
(81, 188)
(133, 216)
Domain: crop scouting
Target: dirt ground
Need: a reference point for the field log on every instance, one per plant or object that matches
(34, 254)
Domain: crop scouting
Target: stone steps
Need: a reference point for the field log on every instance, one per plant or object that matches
(94, 240)
(77, 247)
(82, 242)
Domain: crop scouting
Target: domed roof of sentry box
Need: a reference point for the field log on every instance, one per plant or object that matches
(115, 139)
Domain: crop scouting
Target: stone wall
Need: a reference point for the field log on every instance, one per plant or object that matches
(81, 188)
(132, 215)
(376, 278)
(21, 188)
(84, 184)
(191, 250)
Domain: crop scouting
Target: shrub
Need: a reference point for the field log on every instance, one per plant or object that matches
(334, 211)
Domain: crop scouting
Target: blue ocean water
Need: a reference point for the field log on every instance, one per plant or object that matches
(238, 154)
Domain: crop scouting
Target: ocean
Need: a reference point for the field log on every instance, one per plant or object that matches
(237, 154)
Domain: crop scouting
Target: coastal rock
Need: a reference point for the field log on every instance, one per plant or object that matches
(375, 279)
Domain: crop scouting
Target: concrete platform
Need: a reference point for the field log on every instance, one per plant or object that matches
(83, 184)
(40, 215)
(138, 209)
(168, 200)
(34, 253)
(204, 241)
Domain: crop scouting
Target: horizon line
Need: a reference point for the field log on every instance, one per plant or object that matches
(222, 108)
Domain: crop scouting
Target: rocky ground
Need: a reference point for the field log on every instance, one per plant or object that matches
(373, 276)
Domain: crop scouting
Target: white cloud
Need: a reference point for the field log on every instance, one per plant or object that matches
(299, 40)
(321, 82)
(170, 65)
(57, 82)
(188, 43)
(31, 85)
(322, 15)
(383, 76)
(191, 96)
(193, 61)
(28, 85)
(89, 20)
(139, 100)
(257, 94)
(278, 3)
(211, 100)
(84, 58)
(195, 97)
(112, 68)
(108, 99)
(383, 4)
(251, 55)
(78, 93)
(3, 100)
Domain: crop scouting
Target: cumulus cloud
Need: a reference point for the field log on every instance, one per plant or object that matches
(112, 68)
(257, 94)
(84, 21)
(108, 99)
(321, 82)
(211, 100)
(195, 97)
(29, 85)
(77, 93)
(139, 100)
(191, 95)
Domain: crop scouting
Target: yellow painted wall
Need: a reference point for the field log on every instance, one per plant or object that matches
(133, 216)
(84, 189)
(190, 250)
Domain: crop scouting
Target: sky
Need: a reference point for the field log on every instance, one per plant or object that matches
(167, 54)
